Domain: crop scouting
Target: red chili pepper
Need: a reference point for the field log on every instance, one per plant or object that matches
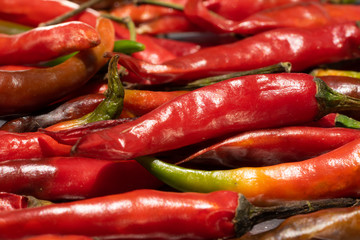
(151, 214)
(68, 178)
(179, 48)
(302, 14)
(24, 91)
(46, 43)
(10, 201)
(30, 145)
(294, 45)
(58, 237)
(334, 174)
(273, 146)
(236, 105)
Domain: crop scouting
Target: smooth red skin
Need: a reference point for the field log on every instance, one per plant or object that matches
(301, 14)
(274, 146)
(235, 105)
(9, 201)
(179, 48)
(30, 145)
(32, 13)
(72, 135)
(46, 43)
(297, 46)
(335, 224)
(68, 178)
(137, 214)
(30, 90)
(327, 121)
(58, 237)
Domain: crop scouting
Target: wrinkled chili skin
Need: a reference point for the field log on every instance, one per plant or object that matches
(335, 224)
(137, 214)
(238, 104)
(29, 145)
(69, 178)
(39, 45)
(18, 88)
(301, 15)
(274, 146)
(294, 45)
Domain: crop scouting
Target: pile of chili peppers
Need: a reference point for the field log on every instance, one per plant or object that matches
(179, 119)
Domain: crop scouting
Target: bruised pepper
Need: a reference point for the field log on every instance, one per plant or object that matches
(152, 215)
(24, 91)
(231, 106)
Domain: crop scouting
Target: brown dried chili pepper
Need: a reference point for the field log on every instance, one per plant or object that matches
(152, 214)
(25, 91)
(273, 146)
(46, 43)
(302, 14)
(294, 45)
(228, 107)
(30, 145)
(69, 178)
(333, 174)
(334, 224)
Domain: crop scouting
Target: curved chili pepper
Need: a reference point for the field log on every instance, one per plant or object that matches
(30, 145)
(68, 178)
(273, 146)
(46, 43)
(151, 214)
(72, 135)
(235, 105)
(294, 45)
(302, 14)
(18, 88)
(333, 174)
(335, 224)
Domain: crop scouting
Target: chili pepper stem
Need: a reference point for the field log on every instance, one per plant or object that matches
(347, 122)
(331, 101)
(160, 3)
(70, 14)
(130, 25)
(248, 215)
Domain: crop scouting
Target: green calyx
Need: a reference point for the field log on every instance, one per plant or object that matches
(330, 101)
(347, 122)
(112, 105)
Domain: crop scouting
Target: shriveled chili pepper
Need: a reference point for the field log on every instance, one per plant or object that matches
(72, 135)
(29, 145)
(294, 45)
(152, 214)
(69, 178)
(273, 146)
(335, 224)
(235, 105)
(24, 91)
(333, 174)
(46, 43)
(10, 201)
(302, 14)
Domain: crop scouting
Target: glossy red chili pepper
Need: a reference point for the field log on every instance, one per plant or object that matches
(46, 43)
(179, 48)
(61, 178)
(335, 224)
(236, 105)
(58, 237)
(150, 214)
(32, 13)
(29, 145)
(273, 146)
(294, 45)
(302, 14)
(24, 91)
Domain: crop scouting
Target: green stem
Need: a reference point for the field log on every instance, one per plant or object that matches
(277, 68)
(331, 101)
(12, 28)
(112, 105)
(128, 46)
(130, 25)
(70, 14)
(160, 3)
(347, 122)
